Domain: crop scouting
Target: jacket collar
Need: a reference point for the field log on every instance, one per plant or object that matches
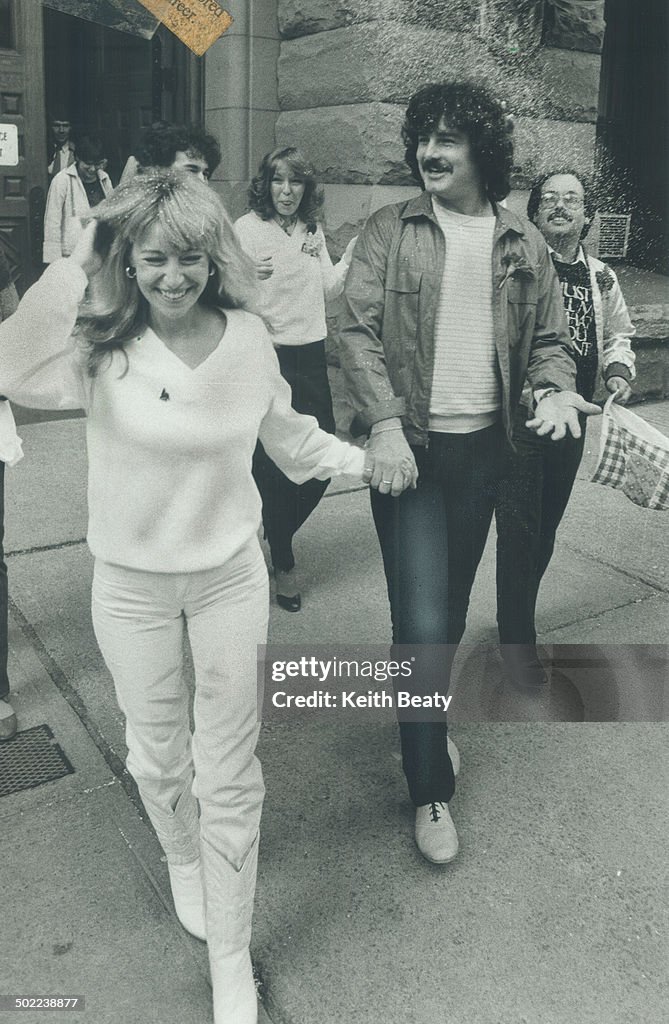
(421, 206)
(103, 177)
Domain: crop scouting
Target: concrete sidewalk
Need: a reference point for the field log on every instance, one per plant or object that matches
(555, 911)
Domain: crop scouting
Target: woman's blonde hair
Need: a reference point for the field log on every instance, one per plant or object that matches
(192, 217)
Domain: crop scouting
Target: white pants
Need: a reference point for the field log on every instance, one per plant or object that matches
(139, 620)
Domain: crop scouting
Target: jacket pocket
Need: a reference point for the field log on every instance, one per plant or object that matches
(400, 325)
(400, 279)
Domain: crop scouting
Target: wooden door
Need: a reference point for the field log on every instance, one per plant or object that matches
(22, 188)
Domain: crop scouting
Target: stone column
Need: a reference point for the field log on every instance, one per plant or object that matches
(240, 99)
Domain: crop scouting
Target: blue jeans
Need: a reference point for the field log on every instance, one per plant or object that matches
(431, 541)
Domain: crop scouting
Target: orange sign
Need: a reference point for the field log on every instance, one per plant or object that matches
(197, 23)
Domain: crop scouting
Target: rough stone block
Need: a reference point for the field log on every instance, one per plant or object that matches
(575, 24)
(349, 144)
(387, 61)
(651, 321)
(306, 17)
(570, 82)
(541, 145)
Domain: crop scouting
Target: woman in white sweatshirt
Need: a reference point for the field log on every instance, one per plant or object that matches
(178, 381)
(282, 233)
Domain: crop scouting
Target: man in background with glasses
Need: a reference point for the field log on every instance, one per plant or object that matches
(538, 477)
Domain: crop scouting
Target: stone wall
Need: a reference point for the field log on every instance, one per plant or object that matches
(347, 68)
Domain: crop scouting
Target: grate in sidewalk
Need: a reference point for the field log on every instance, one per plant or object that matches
(30, 759)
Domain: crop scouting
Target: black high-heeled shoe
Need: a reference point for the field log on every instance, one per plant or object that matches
(291, 602)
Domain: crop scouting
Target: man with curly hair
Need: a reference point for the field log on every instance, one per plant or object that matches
(538, 476)
(180, 147)
(451, 302)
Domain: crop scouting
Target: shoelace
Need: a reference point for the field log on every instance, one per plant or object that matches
(435, 812)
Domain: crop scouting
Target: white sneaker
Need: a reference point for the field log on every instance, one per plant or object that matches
(188, 895)
(454, 755)
(436, 837)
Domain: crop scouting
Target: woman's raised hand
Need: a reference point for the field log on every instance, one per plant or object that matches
(85, 252)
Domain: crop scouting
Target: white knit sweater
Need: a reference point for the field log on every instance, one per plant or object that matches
(292, 300)
(170, 486)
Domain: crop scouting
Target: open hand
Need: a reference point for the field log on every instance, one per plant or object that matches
(557, 414)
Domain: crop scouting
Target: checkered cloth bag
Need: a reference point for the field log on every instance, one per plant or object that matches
(634, 457)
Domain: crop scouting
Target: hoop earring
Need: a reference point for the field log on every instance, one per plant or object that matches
(131, 272)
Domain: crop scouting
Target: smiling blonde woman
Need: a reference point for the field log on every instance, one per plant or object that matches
(156, 340)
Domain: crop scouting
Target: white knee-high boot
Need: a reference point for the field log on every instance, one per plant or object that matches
(229, 909)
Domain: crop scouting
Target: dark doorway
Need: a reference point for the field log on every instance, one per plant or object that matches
(113, 84)
(633, 128)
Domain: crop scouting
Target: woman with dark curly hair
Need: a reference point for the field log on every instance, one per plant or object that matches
(282, 233)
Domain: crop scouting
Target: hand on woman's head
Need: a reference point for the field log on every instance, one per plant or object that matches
(85, 252)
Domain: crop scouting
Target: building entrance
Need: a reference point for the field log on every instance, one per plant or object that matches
(109, 83)
(113, 85)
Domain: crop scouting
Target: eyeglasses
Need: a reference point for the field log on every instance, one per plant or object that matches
(569, 199)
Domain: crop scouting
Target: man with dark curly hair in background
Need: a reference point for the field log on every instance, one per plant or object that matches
(451, 302)
(177, 146)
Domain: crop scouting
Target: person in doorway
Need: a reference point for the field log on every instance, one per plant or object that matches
(538, 476)
(62, 146)
(450, 303)
(283, 234)
(73, 193)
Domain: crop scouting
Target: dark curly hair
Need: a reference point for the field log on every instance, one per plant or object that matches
(260, 193)
(589, 196)
(472, 109)
(162, 142)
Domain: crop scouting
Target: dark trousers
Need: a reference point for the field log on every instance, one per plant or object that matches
(285, 505)
(4, 596)
(431, 541)
(534, 489)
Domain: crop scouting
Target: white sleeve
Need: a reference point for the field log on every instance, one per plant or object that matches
(53, 220)
(334, 276)
(618, 329)
(296, 443)
(39, 363)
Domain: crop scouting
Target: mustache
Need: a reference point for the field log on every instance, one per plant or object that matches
(435, 166)
(560, 212)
